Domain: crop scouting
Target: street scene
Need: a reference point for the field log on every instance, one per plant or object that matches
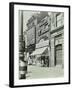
(41, 44)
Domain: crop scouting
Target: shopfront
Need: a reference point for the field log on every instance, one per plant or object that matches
(57, 48)
(58, 54)
(41, 53)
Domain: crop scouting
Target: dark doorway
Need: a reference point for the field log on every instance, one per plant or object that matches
(58, 54)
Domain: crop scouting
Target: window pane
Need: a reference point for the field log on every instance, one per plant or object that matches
(59, 17)
(59, 23)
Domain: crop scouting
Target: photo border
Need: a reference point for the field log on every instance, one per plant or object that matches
(11, 42)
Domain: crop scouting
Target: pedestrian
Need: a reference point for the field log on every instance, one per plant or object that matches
(29, 61)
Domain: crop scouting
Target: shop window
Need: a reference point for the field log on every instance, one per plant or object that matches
(59, 19)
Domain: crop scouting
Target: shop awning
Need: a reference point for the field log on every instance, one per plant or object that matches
(39, 51)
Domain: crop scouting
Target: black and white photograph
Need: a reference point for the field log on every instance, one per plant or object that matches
(41, 44)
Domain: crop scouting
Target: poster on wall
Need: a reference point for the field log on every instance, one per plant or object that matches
(39, 44)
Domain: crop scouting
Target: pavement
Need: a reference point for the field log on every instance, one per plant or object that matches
(35, 72)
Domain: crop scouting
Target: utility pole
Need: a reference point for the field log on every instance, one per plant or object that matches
(22, 64)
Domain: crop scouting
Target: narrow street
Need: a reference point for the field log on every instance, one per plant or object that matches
(44, 72)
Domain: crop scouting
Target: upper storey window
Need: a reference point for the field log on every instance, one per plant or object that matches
(59, 19)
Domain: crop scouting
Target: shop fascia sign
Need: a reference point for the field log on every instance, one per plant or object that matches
(42, 43)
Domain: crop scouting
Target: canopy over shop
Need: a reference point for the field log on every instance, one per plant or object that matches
(41, 54)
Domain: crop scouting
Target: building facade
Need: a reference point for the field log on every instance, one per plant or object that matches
(57, 39)
(43, 28)
(42, 49)
(46, 32)
(31, 29)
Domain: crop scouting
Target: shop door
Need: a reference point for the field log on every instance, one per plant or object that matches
(58, 54)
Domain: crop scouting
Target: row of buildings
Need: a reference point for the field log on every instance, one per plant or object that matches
(44, 38)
